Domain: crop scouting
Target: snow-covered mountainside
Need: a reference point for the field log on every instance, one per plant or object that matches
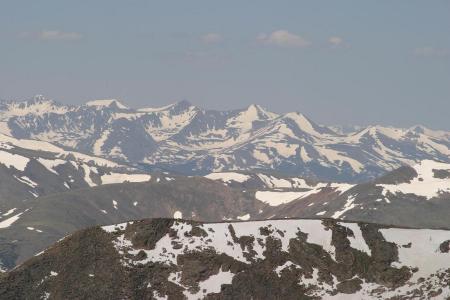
(417, 196)
(30, 169)
(184, 138)
(277, 259)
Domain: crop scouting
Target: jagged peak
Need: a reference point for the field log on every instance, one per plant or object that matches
(37, 99)
(37, 105)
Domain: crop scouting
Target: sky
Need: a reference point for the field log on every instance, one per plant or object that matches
(338, 62)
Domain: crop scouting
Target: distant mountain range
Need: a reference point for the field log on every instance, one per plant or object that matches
(189, 140)
(276, 259)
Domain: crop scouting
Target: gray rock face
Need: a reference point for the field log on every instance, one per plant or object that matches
(184, 138)
(278, 259)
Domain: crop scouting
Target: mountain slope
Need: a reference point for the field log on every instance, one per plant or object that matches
(229, 196)
(184, 138)
(417, 196)
(43, 174)
(30, 169)
(24, 232)
(278, 259)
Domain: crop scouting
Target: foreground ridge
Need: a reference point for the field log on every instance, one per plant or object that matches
(287, 259)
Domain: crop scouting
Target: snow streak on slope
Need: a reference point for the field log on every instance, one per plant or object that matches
(274, 198)
(8, 222)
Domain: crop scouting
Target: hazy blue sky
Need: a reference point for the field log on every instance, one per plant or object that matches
(344, 62)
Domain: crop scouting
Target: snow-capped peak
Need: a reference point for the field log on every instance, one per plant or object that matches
(262, 112)
(375, 131)
(303, 123)
(211, 140)
(101, 103)
(244, 118)
(38, 105)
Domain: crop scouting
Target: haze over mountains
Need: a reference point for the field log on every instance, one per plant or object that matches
(184, 138)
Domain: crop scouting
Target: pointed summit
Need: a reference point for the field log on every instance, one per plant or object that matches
(260, 112)
(110, 103)
(308, 126)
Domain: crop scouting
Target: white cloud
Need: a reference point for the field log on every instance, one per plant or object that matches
(212, 38)
(283, 38)
(49, 35)
(432, 52)
(336, 41)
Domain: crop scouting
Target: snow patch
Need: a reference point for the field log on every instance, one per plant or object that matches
(347, 206)
(228, 176)
(121, 178)
(51, 164)
(274, 198)
(425, 184)
(13, 160)
(244, 217)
